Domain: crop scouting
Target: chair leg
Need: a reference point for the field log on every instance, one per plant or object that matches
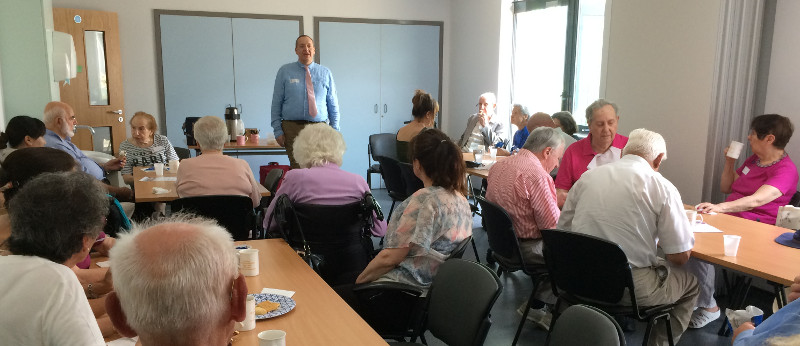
(647, 331)
(475, 248)
(390, 212)
(369, 179)
(669, 331)
(525, 313)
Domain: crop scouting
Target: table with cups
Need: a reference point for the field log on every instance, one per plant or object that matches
(320, 316)
(164, 183)
(249, 146)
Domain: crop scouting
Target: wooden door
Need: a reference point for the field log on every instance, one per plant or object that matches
(96, 92)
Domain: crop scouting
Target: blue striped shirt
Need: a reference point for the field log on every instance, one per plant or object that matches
(290, 101)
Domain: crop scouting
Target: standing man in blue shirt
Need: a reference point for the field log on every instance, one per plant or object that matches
(304, 93)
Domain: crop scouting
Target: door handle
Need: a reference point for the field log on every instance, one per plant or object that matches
(118, 111)
(385, 110)
(376, 108)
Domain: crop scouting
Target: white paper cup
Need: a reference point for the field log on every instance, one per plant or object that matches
(159, 168)
(249, 322)
(493, 152)
(272, 337)
(478, 153)
(694, 217)
(735, 149)
(731, 244)
(248, 262)
(173, 166)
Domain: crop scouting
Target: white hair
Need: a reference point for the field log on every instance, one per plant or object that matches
(211, 133)
(542, 138)
(318, 144)
(490, 97)
(175, 292)
(522, 109)
(53, 112)
(645, 143)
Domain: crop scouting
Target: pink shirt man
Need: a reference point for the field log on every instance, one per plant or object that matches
(521, 186)
(577, 158)
(781, 175)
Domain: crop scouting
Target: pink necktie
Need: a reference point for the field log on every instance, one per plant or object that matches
(312, 102)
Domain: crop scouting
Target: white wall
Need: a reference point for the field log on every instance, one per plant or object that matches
(138, 43)
(784, 74)
(659, 70)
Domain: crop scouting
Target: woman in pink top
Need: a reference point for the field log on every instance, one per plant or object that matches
(213, 173)
(766, 181)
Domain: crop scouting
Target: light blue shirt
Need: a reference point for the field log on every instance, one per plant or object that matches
(785, 322)
(290, 100)
(87, 165)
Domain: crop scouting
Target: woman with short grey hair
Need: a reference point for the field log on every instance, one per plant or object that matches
(213, 173)
(318, 150)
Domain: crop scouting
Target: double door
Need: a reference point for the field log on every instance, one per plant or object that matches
(377, 68)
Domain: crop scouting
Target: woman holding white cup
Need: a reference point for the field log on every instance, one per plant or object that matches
(766, 181)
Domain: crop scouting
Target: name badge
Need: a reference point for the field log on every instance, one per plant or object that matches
(294, 80)
(157, 149)
(746, 170)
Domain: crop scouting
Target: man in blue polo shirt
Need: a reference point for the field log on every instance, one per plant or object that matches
(304, 93)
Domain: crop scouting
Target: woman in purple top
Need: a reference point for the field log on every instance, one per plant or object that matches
(766, 181)
(318, 150)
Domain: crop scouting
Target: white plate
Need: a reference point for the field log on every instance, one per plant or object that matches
(287, 304)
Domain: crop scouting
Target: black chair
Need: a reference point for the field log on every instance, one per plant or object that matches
(381, 144)
(582, 325)
(410, 180)
(183, 153)
(393, 177)
(235, 213)
(338, 235)
(506, 252)
(461, 297)
(270, 182)
(588, 270)
(795, 201)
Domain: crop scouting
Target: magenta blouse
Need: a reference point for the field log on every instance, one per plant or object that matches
(782, 175)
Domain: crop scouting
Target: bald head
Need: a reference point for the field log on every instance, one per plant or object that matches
(60, 118)
(538, 120)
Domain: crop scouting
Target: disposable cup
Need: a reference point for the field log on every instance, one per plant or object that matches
(694, 217)
(735, 149)
(731, 244)
(272, 337)
(492, 153)
(159, 168)
(173, 166)
(478, 153)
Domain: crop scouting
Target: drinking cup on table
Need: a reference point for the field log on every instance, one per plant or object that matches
(249, 322)
(173, 166)
(241, 140)
(159, 168)
(694, 217)
(248, 262)
(735, 149)
(478, 153)
(493, 153)
(272, 337)
(731, 244)
(254, 137)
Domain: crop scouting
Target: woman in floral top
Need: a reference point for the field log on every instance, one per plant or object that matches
(432, 222)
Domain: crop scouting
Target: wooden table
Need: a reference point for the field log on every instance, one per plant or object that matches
(144, 189)
(321, 317)
(263, 147)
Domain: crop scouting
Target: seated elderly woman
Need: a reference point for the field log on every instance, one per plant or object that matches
(21, 132)
(424, 110)
(433, 221)
(766, 181)
(213, 173)
(318, 150)
(566, 122)
(145, 147)
(42, 301)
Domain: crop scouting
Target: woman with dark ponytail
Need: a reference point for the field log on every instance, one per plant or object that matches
(432, 222)
(21, 132)
(424, 110)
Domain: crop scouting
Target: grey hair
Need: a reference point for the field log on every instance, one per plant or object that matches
(600, 103)
(53, 111)
(522, 109)
(543, 137)
(179, 290)
(490, 97)
(645, 143)
(211, 133)
(53, 213)
(318, 144)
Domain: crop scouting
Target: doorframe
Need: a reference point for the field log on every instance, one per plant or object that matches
(439, 24)
(157, 13)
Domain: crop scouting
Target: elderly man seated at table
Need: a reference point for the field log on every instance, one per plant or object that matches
(42, 301)
(318, 150)
(59, 118)
(213, 173)
(483, 130)
(782, 328)
(629, 203)
(602, 146)
(177, 283)
(522, 186)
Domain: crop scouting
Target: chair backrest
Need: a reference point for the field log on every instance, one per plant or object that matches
(587, 266)
(461, 297)
(461, 248)
(582, 325)
(116, 220)
(183, 153)
(795, 201)
(272, 179)
(392, 309)
(383, 144)
(340, 234)
(410, 180)
(235, 213)
(392, 177)
(500, 233)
